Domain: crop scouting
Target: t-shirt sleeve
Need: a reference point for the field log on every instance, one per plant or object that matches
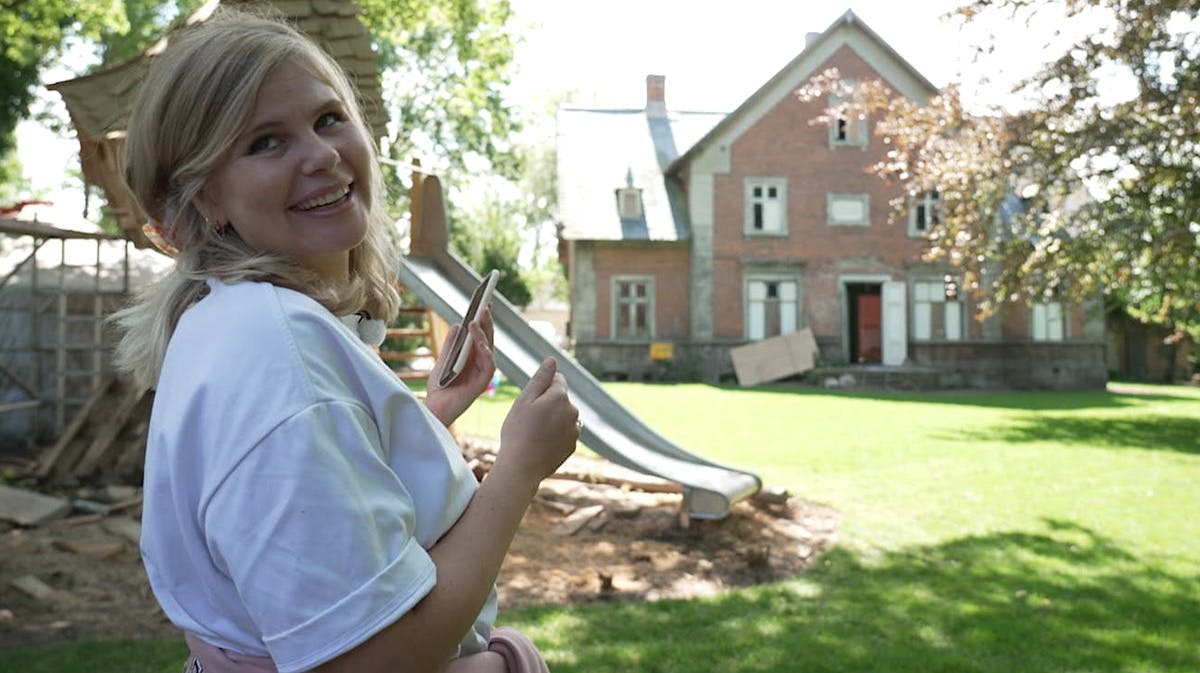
(315, 531)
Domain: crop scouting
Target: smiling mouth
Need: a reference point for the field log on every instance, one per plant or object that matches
(331, 198)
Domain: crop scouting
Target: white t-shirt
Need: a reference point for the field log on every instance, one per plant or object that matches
(293, 484)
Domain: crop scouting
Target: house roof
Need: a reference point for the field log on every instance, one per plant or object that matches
(847, 30)
(603, 150)
(99, 103)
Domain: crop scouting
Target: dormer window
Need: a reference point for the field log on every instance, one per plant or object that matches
(629, 199)
(629, 203)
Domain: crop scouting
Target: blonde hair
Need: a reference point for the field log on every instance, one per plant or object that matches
(197, 97)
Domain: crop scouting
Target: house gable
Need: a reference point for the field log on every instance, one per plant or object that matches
(711, 153)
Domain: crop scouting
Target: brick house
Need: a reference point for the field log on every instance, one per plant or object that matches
(706, 231)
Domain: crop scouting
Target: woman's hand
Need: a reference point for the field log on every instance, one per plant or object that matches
(450, 401)
(541, 429)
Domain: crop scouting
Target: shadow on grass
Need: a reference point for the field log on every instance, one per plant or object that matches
(1065, 599)
(1150, 432)
(1033, 400)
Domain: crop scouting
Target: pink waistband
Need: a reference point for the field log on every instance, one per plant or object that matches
(517, 654)
(211, 659)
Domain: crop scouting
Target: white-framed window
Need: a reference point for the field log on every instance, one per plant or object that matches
(766, 206)
(848, 209)
(937, 310)
(629, 203)
(1047, 322)
(924, 212)
(772, 307)
(632, 307)
(847, 129)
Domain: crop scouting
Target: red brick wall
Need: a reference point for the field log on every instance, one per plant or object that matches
(784, 143)
(667, 263)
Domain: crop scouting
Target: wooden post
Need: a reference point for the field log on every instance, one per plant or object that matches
(414, 206)
(429, 236)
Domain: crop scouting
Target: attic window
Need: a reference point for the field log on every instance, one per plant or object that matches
(848, 127)
(629, 203)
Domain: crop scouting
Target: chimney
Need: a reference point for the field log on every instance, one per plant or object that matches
(656, 96)
(809, 38)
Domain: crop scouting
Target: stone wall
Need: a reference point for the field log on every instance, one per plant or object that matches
(982, 365)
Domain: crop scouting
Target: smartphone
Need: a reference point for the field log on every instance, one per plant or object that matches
(461, 347)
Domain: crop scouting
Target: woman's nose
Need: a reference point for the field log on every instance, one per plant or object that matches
(320, 154)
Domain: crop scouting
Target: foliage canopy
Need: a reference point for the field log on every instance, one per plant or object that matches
(1081, 191)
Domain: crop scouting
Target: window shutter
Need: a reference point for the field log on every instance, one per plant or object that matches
(1039, 322)
(953, 321)
(895, 323)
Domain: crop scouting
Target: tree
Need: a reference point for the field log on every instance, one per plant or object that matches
(487, 234)
(33, 33)
(1080, 192)
(1139, 238)
(445, 64)
(143, 24)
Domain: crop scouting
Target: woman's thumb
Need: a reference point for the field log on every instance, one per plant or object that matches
(541, 379)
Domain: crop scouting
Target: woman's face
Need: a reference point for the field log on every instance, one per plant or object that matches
(297, 180)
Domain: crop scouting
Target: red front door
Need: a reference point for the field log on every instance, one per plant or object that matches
(870, 323)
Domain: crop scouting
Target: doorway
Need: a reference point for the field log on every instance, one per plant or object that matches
(865, 307)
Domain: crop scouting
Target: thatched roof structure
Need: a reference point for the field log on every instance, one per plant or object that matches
(99, 103)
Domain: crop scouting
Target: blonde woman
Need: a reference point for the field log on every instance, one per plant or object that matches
(303, 510)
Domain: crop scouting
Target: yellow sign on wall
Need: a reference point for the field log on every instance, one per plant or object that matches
(662, 350)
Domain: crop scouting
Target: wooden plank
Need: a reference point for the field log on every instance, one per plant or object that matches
(33, 586)
(14, 406)
(577, 520)
(58, 453)
(408, 332)
(27, 508)
(398, 356)
(125, 527)
(97, 549)
(135, 438)
(102, 441)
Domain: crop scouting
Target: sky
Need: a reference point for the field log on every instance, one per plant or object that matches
(713, 54)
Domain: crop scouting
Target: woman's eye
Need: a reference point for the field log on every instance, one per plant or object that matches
(329, 119)
(264, 143)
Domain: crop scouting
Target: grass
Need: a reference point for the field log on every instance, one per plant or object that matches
(989, 532)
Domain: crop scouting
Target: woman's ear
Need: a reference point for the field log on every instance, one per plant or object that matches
(209, 206)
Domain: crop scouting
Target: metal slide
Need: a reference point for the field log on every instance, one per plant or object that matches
(609, 429)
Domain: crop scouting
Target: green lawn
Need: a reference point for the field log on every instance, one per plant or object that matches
(988, 532)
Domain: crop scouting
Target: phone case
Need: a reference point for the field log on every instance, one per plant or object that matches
(461, 348)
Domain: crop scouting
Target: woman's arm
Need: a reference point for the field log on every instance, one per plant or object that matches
(538, 435)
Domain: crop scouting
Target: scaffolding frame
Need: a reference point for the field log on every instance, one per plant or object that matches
(36, 401)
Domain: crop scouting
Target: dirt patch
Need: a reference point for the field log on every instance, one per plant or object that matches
(627, 545)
